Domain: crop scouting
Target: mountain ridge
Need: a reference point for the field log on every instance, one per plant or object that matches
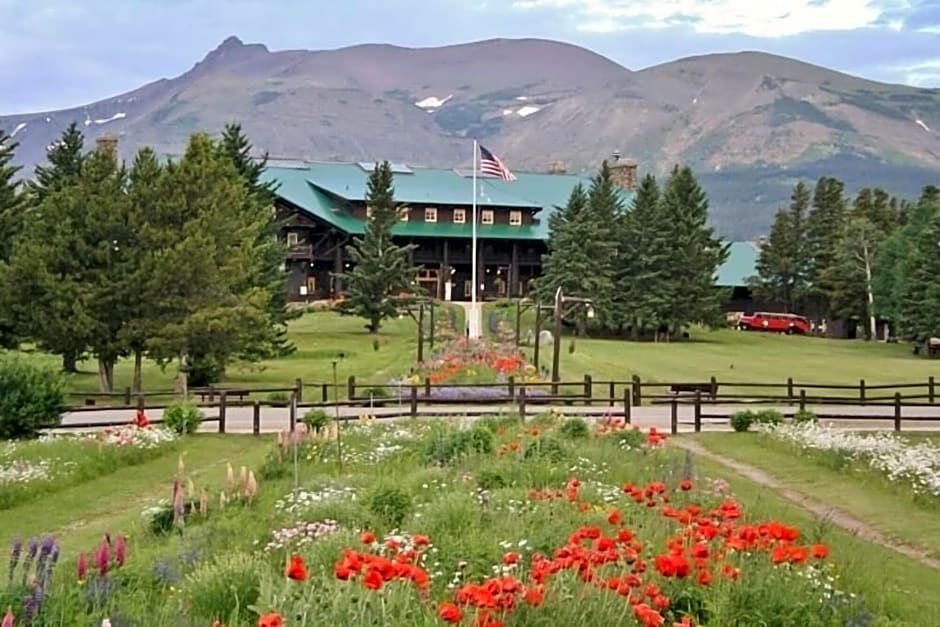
(746, 121)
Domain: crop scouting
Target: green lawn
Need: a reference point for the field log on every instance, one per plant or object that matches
(727, 355)
(888, 508)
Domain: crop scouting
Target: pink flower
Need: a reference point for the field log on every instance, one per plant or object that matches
(101, 559)
(82, 567)
(7, 618)
(120, 550)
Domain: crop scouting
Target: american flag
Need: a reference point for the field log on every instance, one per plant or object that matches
(491, 164)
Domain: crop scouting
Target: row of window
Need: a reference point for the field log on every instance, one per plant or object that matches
(460, 216)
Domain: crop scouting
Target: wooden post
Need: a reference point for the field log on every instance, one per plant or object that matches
(637, 391)
(512, 387)
(861, 391)
(222, 404)
(588, 390)
(674, 416)
(350, 388)
(790, 391)
(431, 325)
(522, 404)
(627, 406)
(414, 401)
(698, 411)
(420, 333)
(211, 393)
(538, 331)
(714, 388)
(127, 396)
(518, 322)
(427, 387)
(897, 411)
(292, 412)
(140, 401)
(802, 400)
(612, 393)
(299, 386)
(931, 396)
(256, 418)
(325, 392)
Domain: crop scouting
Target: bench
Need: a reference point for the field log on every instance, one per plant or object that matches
(689, 389)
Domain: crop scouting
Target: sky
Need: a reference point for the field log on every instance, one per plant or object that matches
(61, 53)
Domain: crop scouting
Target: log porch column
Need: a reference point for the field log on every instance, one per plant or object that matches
(513, 271)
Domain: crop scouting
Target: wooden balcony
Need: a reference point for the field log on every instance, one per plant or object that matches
(300, 251)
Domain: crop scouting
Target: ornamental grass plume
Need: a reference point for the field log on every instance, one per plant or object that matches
(251, 486)
(229, 478)
(204, 503)
(178, 504)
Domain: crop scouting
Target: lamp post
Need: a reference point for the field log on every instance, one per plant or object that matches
(560, 301)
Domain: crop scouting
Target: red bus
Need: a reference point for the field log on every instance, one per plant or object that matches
(774, 322)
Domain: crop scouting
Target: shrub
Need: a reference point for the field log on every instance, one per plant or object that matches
(316, 420)
(31, 398)
(768, 417)
(546, 448)
(183, 418)
(275, 466)
(741, 421)
(491, 480)
(630, 438)
(224, 588)
(204, 371)
(805, 416)
(574, 428)
(448, 445)
(390, 505)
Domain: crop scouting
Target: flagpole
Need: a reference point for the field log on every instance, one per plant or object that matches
(473, 246)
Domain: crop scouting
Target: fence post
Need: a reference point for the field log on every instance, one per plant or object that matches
(790, 391)
(802, 400)
(612, 393)
(698, 411)
(861, 391)
(637, 391)
(897, 411)
(350, 387)
(930, 390)
(325, 392)
(588, 390)
(512, 387)
(627, 406)
(299, 386)
(714, 388)
(222, 403)
(292, 412)
(522, 404)
(127, 396)
(427, 387)
(211, 393)
(256, 418)
(674, 417)
(140, 401)
(414, 401)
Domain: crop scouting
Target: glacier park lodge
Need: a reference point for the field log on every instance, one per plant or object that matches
(321, 206)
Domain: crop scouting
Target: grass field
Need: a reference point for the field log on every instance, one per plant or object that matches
(725, 354)
(888, 508)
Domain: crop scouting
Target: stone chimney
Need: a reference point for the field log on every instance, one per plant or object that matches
(557, 167)
(623, 171)
(107, 144)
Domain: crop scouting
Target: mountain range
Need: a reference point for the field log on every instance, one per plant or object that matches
(750, 124)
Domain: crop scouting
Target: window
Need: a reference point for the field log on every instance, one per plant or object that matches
(292, 238)
(430, 214)
(487, 216)
(368, 213)
(515, 218)
(403, 212)
(460, 216)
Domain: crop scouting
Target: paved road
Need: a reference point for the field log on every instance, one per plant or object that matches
(273, 419)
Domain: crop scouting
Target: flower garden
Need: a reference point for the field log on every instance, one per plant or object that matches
(487, 522)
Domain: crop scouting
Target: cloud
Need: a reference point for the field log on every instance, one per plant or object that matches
(749, 17)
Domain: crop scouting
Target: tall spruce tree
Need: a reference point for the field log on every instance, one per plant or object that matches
(567, 258)
(383, 269)
(782, 263)
(919, 306)
(643, 274)
(695, 256)
(598, 228)
(824, 228)
(11, 217)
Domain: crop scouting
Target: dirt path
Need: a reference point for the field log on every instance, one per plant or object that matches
(838, 517)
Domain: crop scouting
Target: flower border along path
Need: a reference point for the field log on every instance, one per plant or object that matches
(838, 517)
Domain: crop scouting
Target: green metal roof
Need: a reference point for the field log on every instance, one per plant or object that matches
(740, 265)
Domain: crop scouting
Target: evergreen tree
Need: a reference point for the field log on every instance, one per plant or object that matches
(598, 228)
(567, 259)
(824, 228)
(383, 269)
(919, 305)
(695, 255)
(65, 164)
(851, 275)
(643, 276)
(10, 224)
(782, 263)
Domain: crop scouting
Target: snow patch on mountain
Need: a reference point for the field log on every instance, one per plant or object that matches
(19, 127)
(921, 124)
(116, 116)
(527, 111)
(433, 102)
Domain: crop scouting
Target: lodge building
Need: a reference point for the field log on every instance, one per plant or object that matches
(321, 206)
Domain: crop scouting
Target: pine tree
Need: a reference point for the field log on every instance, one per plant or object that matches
(383, 269)
(568, 259)
(65, 164)
(10, 223)
(824, 228)
(782, 263)
(919, 305)
(598, 229)
(642, 278)
(695, 255)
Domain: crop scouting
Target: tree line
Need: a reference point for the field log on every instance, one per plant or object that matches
(172, 260)
(870, 257)
(649, 268)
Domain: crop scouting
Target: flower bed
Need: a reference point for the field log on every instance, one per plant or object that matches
(916, 465)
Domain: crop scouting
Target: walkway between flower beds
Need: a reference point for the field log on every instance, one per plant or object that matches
(273, 419)
(838, 517)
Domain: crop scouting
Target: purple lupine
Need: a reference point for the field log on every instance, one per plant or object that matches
(45, 574)
(31, 549)
(44, 551)
(15, 550)
(29, 608)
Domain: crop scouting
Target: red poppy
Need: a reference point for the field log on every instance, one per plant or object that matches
(449, 613)
(820, 551)
(373, 579)
(685, 485)
(367, 537)
(615, 518)
(297, 569)
(272, 619)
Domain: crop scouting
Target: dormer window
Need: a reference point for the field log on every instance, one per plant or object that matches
(292, 238)
(486, 217)
(460, 216)
(430, 214)
(515, 218)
